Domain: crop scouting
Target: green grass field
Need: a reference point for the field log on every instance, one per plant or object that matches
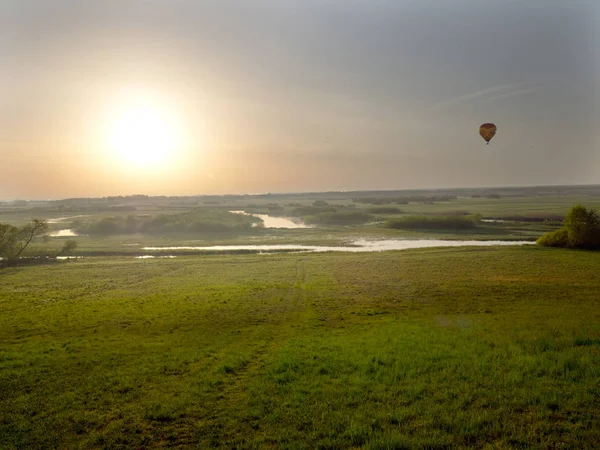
(502, 207)
(435, 348)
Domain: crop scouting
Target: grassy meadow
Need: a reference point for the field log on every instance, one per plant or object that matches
(432, 348)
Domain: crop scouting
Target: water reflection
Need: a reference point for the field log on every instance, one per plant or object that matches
(63, 233)
(59, 258)
(276, 222)
(356, 246)
(62, 219)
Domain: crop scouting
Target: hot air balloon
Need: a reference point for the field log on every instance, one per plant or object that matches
(487, 131)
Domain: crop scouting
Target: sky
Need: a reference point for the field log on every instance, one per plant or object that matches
(191, 97)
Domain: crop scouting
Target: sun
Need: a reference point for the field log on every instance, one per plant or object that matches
(142, 135)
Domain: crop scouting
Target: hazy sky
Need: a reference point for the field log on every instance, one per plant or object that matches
(289, 95)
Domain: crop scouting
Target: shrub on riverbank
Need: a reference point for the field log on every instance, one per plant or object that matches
(581, 229)
(385, 210)
(433, 223)
(339, 218)
(405, 199)
(199, 221)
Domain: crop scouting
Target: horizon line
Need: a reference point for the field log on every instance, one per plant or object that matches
(305, 192)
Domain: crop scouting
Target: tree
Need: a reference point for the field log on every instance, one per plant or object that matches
(69, 246)
(14, 240)
(581, 229)
(7, 233)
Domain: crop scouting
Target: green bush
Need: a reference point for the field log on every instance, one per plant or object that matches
(558, 238)
(433, 222)
(373, 200)
(386, 210)
(107, 225)
(339, 218)
(304, 211)
(581, 230)
(200, 220)
(69, 246)
(405, 199)
(583, 227)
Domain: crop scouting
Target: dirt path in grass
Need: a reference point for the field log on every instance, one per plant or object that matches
(236, 391)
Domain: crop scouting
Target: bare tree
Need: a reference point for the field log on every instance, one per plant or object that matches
(14, 240)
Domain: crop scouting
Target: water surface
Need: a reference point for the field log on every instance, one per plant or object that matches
(276, 222)
(63, 233)
(62, 219)
(356, 246)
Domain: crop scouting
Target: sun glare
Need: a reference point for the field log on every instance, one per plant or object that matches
(142, 135)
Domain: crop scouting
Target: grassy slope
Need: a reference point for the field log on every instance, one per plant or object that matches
(439, 347)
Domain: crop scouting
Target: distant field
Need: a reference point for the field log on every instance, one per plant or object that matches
(437, 348)
(509, 205)
(510, 201)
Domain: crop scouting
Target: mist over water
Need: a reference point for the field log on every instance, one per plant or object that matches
(64, 233)
(276, 222)
(62, 219)
(355, 247)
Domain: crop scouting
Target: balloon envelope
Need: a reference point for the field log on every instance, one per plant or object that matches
(487, 131)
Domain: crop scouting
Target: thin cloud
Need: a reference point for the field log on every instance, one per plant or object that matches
(511, 94)
(475, 95)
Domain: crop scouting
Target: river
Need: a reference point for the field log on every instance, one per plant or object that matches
(276, 222)
(357, 246)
